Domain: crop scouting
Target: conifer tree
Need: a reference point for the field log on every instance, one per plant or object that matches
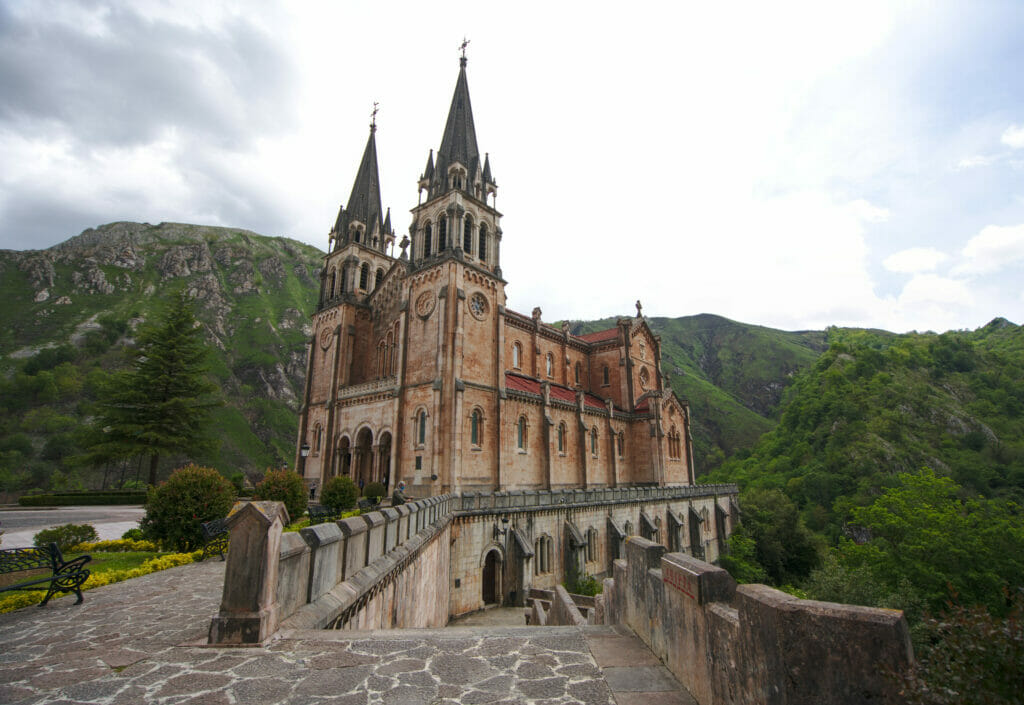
(160, 405)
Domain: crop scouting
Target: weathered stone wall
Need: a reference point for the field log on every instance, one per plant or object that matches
(752, 644)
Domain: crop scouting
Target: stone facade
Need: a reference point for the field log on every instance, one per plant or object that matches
(418, 372)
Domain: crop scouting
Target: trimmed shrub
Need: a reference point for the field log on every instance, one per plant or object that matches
(133, 535)
(339, 494)
(284, 486)
(176, 509)
(115, 546)
(238, 480)
(374, 491)
(66, 536)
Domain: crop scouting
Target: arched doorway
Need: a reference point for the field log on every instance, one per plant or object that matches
(343, 458)
(384, 459)
(491, 581)
(364, 458)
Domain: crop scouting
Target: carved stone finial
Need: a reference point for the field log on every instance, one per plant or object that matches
(404, 244)
(639, 309)
(536, 313)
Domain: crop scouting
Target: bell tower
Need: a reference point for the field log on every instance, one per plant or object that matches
(458, 217)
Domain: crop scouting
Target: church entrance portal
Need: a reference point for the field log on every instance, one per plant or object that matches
(492, 578)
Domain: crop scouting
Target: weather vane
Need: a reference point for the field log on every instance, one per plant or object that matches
(465, 43)
(373, 115)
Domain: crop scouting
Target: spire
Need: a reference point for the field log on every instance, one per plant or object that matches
(428, 171)
(387, 222)
(487, 169)
(364, 202)
(459, 141)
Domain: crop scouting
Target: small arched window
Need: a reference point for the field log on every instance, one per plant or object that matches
(577, 373)
(481, 250)
(427, 234)
(549, 365)
(331, 293)
(356, 234)
(561, 438)
(442, 234)
(604, 375)
(517, 355)
(421, 427)
(344, 281)
(318, 437)
(621, 438)
(378, 277)
(591, 544)
(467, 236)
(364, 275)
(521, 433)
(476, 427)
(593, 441)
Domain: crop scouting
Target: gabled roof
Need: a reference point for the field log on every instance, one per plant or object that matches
(522, 383)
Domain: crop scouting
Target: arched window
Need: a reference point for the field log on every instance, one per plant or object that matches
(427, 233)
(481, 250)
(549, 365)
(344, 281)
(331, 293)
(318, 437)
(467, 236)
(364, 275)
(442, 234)
(378, 277)
(561, 438)
(629, 528)
(604, 375)
(521, 433)
(517, 355)
(355, 234)
(476, 427)
(382, 352)
(593, 441)
(577, 373)
(591, 544)
(389, 354)
(645, 378)
(421, 427)
(621, 438)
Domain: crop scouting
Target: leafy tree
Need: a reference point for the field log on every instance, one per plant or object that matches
(284, 486)
(741, 560)
(339, 493)
(783, 545)
(161, 404)
(922, 533)
(66, 536)
(176, 509)
(374, 491)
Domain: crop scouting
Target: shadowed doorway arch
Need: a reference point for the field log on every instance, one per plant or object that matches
(363, 465)
(491, 581)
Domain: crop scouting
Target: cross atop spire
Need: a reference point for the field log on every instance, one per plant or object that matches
(373, 117)
(465, 43)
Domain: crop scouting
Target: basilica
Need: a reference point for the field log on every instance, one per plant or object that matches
(418, 372)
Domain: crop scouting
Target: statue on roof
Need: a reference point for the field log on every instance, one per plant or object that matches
(639, 309)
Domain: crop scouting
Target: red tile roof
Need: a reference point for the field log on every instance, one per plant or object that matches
(521, 383)
(644, 405)
(601, 335)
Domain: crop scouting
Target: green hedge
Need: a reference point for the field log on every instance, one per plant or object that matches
(64, 499)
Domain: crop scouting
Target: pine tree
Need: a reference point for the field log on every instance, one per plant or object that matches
(161, 404)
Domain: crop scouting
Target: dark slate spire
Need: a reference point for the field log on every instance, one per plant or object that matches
(428, 172)
(487, 169)
(364, 202)
(459, 141)
(387, 222)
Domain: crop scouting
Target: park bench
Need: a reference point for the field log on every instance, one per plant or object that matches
(366, 505)
(215, 538)
(319, 514)
(65, 576)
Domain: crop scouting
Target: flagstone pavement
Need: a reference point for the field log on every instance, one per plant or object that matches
(143, 641)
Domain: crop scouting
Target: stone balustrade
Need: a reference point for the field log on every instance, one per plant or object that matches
(526, 499)
(333, 574)
(358, 390)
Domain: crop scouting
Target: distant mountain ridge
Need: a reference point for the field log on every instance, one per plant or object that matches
(254, 296)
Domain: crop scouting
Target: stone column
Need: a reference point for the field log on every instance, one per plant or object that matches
(249, 607)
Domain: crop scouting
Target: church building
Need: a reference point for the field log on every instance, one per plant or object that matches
(417, 371)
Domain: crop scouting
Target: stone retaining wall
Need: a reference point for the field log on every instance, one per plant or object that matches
(751, 643)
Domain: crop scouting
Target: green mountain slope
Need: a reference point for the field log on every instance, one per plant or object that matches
(876, 404)
(733, 374)
(69, 310)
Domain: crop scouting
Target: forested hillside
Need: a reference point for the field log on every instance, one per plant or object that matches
(68, 312)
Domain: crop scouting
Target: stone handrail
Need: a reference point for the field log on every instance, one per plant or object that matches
(321, 573)
(528, 499)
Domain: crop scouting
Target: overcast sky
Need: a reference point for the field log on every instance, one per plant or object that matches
(796, 165)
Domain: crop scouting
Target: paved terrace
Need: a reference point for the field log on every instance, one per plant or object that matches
(142, 641)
